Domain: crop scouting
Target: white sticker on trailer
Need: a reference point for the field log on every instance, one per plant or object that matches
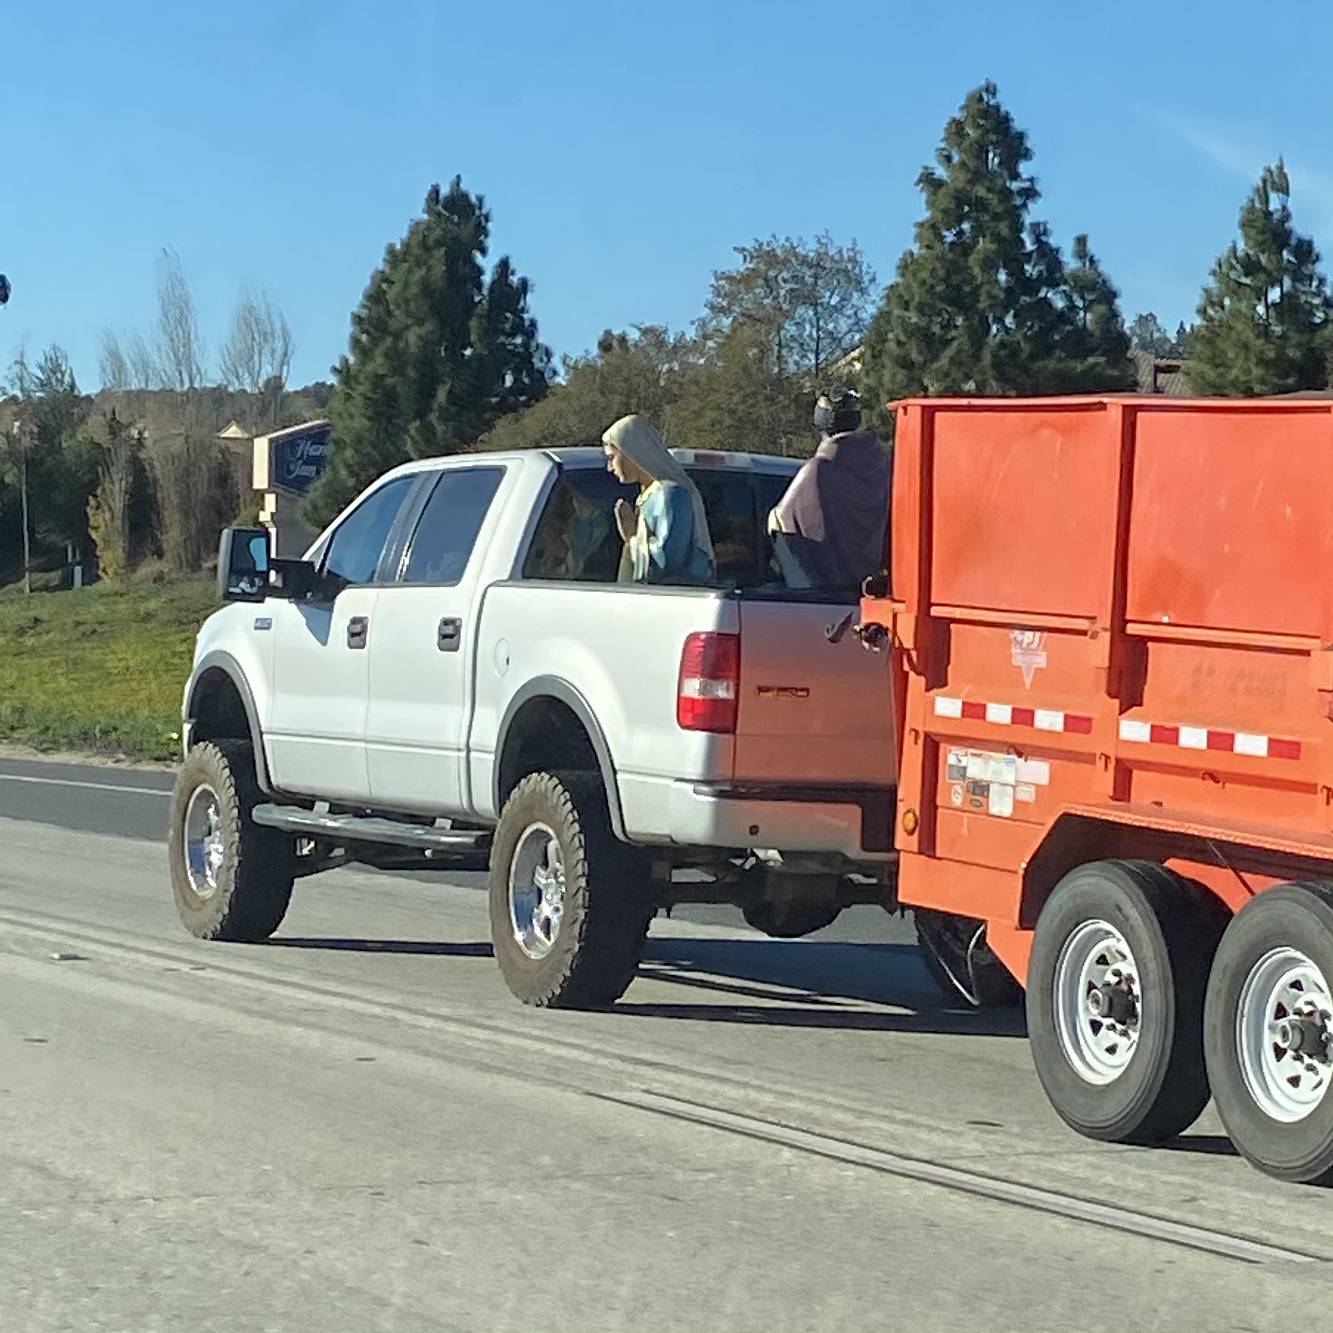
(1035, 771)
(1001, 800)
(987, 766)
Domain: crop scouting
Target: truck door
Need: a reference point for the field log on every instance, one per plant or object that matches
(421, 661)
(315, 730)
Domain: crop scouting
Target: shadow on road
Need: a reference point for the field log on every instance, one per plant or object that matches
(1208, 1145)
(804, 983)
(940, 1022)
(772, 983)
(442, 948)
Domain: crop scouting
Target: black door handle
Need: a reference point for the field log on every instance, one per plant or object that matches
(449, 636)
(358, 627)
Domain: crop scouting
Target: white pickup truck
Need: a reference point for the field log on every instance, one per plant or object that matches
(454, 672)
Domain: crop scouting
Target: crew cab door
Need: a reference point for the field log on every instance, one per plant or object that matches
(315, 731)
(421, 659)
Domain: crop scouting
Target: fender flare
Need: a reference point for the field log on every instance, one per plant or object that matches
(552, 687)
(218, 660)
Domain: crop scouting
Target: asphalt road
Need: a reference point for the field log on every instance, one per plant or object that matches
(355, 1127)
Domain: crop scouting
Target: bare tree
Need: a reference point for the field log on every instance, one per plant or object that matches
(257, 355)
(112, 362)
(196, 491)
(144, 370)
(180, 344)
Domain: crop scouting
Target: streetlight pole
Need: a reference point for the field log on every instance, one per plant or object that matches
(23, 493)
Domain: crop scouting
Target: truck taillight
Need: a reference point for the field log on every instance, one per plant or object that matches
(709, 688)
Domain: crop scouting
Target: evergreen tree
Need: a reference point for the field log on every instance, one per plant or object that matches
(437, 354)
(1264, 316)
(1148, 334)
(61, 466)
(982, 304)
(1095, 347)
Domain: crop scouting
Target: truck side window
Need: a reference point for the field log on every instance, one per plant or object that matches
(576, 536)
(353, 552)
(447, 531)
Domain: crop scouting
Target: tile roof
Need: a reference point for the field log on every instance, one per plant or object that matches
(1161, 374)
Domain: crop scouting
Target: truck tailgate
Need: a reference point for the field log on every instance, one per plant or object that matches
(811, 711)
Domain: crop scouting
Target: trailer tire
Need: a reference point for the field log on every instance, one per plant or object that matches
(961, 963)
(570, 904)
(1133, 941)
(231, 878)
(1276, 1107)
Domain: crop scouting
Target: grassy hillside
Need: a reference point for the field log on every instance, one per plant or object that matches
(99, 668)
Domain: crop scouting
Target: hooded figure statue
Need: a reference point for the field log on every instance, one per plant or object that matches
(834, 517)
(666, 530)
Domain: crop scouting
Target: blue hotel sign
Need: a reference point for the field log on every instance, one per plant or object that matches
(298, 458)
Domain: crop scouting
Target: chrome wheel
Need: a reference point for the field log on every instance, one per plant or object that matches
(537, 890)
(1284, 1027)
(203, 843)
(1097, 1002)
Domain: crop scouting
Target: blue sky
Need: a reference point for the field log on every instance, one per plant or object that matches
(624, 148)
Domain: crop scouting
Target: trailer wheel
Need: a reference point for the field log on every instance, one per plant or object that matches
(1269, 1032)
(1115, 1000)
(570, 904)
(960, 962)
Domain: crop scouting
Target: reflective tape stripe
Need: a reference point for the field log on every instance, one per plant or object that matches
(1010, 715)
(1249, 743)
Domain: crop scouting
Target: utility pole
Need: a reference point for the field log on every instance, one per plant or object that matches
(19, 440)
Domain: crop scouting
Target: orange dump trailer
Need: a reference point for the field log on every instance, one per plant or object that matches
(1111, 621)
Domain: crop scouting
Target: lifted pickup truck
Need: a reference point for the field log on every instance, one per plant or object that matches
(454, 674)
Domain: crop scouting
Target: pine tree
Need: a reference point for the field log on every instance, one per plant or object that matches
(437, 354)
(981, 303)
(1264, 316)
(61, 466)
(1148, 334)
(1094, 348)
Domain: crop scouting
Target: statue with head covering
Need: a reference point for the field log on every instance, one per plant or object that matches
(666, 529)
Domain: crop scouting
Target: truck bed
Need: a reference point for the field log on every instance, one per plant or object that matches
(800, 725)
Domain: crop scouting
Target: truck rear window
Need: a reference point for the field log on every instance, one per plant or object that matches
(576, 537)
